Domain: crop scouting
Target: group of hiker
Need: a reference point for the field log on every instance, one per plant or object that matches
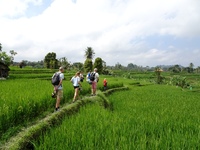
(92, 78)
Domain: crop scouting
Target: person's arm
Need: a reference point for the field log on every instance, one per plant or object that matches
(57, 86)
(79, 83)
(97, 77)
(60, 83)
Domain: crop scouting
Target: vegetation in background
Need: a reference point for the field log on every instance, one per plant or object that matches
(151, 110)
(50, 60)
(89, 55)
(5, 58)
(88, 65)
(98, 63)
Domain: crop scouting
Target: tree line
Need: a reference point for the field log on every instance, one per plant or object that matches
(5, 58)
(52, 62)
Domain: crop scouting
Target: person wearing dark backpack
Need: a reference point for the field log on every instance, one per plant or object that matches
(81, 76)
(57, 80)
(94, 78)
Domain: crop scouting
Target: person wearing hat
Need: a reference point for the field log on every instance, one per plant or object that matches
(94, 83)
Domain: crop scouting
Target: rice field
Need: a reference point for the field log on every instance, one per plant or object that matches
(23, 100)
(147, 116)
(144, 117)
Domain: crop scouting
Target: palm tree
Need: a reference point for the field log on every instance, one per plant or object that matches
(191, 67)
(89, 53)
(158, 71)
(198, 69)
(0, 47)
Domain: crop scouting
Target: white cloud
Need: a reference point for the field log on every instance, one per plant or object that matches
(117, 30)
(10, 8)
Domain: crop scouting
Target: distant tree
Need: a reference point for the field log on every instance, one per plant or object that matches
(105, 69)
(34, 64)
(0, 47)
(78, 66)
(23, 63)
(13, 53)
(98, 63)
(51, 61)
(158, 71)
(198, 69)
(63, 62)
(175, 69)
(39, 64)
(118, 66)
(88, 65)
(191, 66)
(89, 53)
(6, 59)
(131, 66)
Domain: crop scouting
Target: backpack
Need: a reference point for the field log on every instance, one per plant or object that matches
(55, 79)
(92, 76)
(81, 79)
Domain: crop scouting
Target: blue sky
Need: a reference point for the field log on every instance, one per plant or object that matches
(142, 32)
(36, 9)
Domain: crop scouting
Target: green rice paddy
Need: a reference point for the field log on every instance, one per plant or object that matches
(147, 116)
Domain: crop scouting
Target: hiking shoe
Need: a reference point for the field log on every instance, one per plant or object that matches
(57, 109)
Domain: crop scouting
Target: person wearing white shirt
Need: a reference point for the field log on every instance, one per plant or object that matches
(94, 83)
(77, 84)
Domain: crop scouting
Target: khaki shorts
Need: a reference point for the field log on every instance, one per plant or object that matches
(59, 94)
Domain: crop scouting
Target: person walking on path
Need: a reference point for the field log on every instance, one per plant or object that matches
(105, 84)
(59, 88)
(88, 77)
(77, 85)
(95, 81)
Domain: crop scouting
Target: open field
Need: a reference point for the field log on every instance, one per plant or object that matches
(144, 117)
(147, 116)
(26, 96)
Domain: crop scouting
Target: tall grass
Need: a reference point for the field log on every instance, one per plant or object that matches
(23, 100)
(146, 117)
(20, 100)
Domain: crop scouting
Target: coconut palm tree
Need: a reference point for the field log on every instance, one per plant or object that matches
(191, 67)
(0, 47)
(89, 53)
(198, 69)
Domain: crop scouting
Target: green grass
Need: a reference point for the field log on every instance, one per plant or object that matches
(148, 116)
(145, 117)
(22, 100)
